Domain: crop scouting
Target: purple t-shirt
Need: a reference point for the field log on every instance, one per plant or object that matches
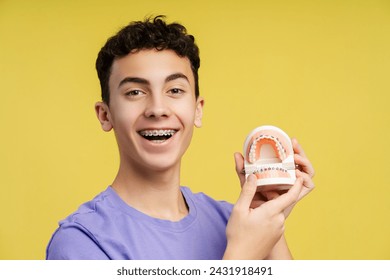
(108, 228)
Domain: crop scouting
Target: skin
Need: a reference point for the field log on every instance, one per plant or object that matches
(256, 226)
(152, 89)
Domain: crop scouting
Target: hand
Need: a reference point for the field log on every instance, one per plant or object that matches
(258, 197)
(304, 170)
(253, 232)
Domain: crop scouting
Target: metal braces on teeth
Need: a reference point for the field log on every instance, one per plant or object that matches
(156, 132)
(256, 169)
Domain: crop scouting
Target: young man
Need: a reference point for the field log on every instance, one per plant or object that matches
(150, 99)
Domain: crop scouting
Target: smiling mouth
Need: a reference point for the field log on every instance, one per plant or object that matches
(157, 135)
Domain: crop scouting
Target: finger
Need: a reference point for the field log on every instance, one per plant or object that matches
(297, 147)
(248, 191)
(308, 184)
(301, 158)
(289, 198)
(304, 164)
(307, 180)
(239, 161)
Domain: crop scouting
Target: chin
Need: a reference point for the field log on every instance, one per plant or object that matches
(162, 164)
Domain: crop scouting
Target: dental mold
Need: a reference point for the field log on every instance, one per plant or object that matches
(268, 154)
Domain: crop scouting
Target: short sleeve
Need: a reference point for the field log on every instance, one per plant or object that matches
(71, 243)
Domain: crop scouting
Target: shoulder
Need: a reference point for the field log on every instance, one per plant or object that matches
(76, 237)
(72, 243)
(91, 212)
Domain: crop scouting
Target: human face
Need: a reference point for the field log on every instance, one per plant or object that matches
(151, 93)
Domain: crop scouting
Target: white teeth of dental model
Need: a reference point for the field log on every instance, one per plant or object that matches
(155, 132)
(269, 155)
(279, 146)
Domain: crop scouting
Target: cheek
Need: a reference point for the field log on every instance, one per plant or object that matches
(186, 110)
(186, 115)
(125, 117)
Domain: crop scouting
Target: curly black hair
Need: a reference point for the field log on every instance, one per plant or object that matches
(152, 33)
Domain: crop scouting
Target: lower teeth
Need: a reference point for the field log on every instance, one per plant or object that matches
(157, 139)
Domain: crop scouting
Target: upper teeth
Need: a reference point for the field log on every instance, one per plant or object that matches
(279, 147)
(155, 132)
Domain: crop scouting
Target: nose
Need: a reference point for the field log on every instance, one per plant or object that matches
(156, 107)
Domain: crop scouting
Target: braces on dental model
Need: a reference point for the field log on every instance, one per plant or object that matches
(269, 155)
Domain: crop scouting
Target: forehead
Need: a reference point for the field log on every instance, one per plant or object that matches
(152, 65)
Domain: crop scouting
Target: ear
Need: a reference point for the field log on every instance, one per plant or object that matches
(199, 112)
(103, 114)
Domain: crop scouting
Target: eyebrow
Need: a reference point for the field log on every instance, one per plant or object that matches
(176, 76)
(143, 81)
(133, 80)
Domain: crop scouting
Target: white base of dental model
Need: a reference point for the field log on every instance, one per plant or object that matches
(268, 154)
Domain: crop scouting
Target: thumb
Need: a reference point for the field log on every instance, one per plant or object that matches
(247, 193)
(289, 198)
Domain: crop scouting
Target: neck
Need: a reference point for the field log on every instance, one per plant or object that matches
(155, 193)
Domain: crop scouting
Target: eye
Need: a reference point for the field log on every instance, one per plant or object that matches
(134, 92)
(176, 91)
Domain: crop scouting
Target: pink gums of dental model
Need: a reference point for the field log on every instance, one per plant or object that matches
(269, 155)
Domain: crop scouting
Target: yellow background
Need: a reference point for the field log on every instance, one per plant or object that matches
(317, 69)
